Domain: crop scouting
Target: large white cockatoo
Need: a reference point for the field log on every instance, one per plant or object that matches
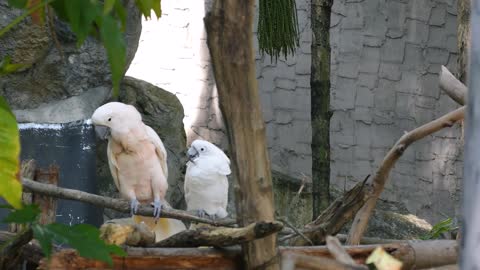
(206, 183)
(138, 162)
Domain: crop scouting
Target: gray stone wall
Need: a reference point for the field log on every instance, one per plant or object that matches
(386, 55)
(173, 54)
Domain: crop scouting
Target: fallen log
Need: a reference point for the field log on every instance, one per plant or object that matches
(115, 204)
(221, 237)
(413, 254)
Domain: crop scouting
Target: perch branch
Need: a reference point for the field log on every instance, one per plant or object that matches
(115, 204)
(452, 86)
(361, 219)
(221, 237)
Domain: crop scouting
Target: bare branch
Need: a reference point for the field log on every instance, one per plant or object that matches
(381, 176)
(335, 247)
(452, 86)
(115, 204)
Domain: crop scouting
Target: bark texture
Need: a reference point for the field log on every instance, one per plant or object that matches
(320, 111)
(229, 27)
(463, 38)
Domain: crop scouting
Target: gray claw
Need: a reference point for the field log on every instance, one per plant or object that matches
(201, 213)
(134, 206)
(157, 208)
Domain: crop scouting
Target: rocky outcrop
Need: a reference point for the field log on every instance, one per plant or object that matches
(163, 112)
(56, 71)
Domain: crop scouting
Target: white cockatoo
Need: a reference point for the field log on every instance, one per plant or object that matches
(138, 162)
(206, 183)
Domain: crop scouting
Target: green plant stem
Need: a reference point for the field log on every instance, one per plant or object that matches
(23, 16)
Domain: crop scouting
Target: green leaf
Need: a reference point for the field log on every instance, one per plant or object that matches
(156, 6)
(27, 214)
(18, 3)
(438, 229)
(121, 14)
(81, 15)
(116, 49)
(10, 186)
(108, 6)
(6, 66)
(44, 238)
(82, 237)
(146, 6)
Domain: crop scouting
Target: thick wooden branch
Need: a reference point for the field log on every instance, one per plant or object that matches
(381, 176)
(136, 235)
(221, 237)
(422, 254)
(452, 86)
(340, 212)
(115, 204)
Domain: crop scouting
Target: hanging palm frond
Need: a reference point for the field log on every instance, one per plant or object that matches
(278, 27)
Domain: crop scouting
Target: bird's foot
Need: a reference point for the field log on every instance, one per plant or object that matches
(157, 208)
(201, 213)
(134, 203)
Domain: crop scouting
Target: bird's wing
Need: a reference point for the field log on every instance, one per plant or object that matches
(112, 164)
(159, 149)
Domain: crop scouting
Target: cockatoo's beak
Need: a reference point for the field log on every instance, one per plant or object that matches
(103, 132)
(192, 154)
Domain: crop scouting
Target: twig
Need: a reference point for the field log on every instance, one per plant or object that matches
(381, 176)
(115, 204)
(297, 232)
(336, 249)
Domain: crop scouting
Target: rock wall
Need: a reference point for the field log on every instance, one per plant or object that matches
(173, 54)
(386, 55)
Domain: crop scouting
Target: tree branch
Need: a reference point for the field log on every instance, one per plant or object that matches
(381, 176)
(221, 237)
(452, 86)
(115, 204)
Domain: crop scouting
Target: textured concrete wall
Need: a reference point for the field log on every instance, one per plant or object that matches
(386, 55)
(173, 54)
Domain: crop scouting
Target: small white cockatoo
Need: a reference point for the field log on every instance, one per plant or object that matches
(137, 159)
(206, 183)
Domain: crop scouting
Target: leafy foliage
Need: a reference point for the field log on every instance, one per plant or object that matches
(10, 186)
(278, 27)
(438, 229)
(27, 214)
(82, 237)
(89, 18)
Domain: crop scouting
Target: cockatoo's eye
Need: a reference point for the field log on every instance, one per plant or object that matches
(202, 149)
(109, 119)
